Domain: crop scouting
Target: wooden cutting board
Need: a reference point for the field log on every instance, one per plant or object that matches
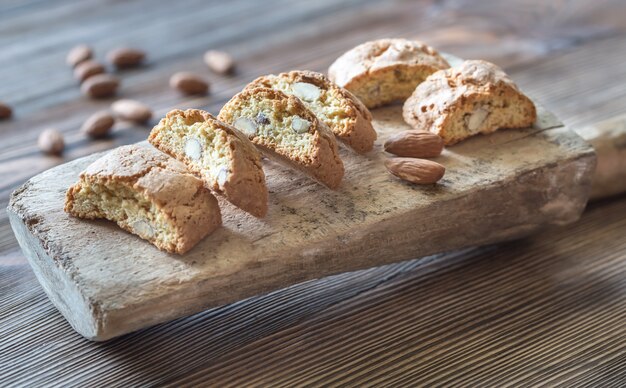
(107, 282)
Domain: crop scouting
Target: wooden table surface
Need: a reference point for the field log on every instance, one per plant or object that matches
(550, 309)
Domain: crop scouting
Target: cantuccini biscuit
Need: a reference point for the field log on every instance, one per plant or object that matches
(474, 97)
(222, 157)
(349, 120)
(283, 126)
(386, 70)
(148, 194)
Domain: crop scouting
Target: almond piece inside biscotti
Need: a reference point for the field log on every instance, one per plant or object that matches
(386, 70)
(474, 97)
(282, 125)
(349, 120)
(226, 161)
(148, 194)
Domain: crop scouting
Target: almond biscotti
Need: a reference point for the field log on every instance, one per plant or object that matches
(386, 70)
(148, 194)
(225, 160)
(282, 125)
(474, 97)
(340, 110)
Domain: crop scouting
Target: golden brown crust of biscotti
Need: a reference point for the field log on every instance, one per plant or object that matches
(185, 209)
(386, 70)
(244, 185)
(340, 110)
(313, 151)
(446, 102)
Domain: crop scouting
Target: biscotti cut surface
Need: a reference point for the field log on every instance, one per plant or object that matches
(474, 97)
(386, 70)
(223, 158)
(148, 194)
(283, 126)
(340, 110)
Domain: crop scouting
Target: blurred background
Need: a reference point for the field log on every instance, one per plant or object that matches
(569, 56)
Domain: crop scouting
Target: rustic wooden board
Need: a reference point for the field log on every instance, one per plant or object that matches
(107, 282)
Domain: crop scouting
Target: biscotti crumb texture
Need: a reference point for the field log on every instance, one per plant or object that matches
(223, 158)
(349, 120)
(283, 126)
(474, 97)
(148, 194)
(387, 70)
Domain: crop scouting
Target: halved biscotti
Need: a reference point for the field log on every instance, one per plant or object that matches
(148, 194)
(223, 158)
(340, 110)
(282, 125)
(385, 70)
(474, 97)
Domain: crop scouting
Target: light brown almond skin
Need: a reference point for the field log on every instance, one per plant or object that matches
(415, 144)
(78, 54)
(5, 111)
(98, 125)
(87, 69)
(132, 110)
(126, 57)
(418, 171)
(219, 61)
(100, 86)
(51, 142)
(189, 83)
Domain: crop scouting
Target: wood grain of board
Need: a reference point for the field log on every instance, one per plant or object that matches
(568, 55)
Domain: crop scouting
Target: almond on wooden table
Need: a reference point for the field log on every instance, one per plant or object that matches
(78, 54)
(126, 57)
(5, 111)
(219, 61)
(51, 142)
(132, 110)
(98, 125)
(87, 69)
(415, 143)
(189, 83)
(420, 171)
(100, 86)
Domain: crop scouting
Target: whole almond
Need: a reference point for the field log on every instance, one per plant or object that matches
(219, 61)
(87, 69)
(78, 54)
(51, 142)
(5, 111)
(131, 110)
(100, 86)
(189, 83)
(416, 144)
(420, 171)
(98, 125)
(126, 57)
